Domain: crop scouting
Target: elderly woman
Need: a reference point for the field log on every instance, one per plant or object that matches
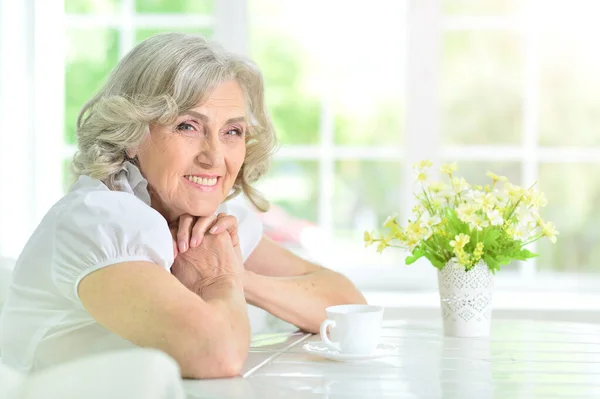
(144, 250)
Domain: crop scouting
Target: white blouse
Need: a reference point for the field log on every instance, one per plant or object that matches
(43, 321)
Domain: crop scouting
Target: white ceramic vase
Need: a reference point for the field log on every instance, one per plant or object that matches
(466, 299)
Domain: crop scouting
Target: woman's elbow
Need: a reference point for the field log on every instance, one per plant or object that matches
(217, 365)
(219, 354)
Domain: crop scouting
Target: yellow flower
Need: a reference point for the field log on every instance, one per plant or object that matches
(422, 165)
(368, 238)
(460, 241)
(390, 222)
(462, 258)
(422, 176)
(496, 178)
(416, 231)
(383, 244)
(549, 230)
(411, 243)
(449, 168)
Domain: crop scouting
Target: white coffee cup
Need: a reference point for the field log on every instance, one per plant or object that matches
(354, 329)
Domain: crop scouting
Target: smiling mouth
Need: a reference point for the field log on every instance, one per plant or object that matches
(203, 181)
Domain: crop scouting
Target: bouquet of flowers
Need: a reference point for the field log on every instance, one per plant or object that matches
(453, 221)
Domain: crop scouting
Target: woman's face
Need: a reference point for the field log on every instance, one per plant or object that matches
(192, 164)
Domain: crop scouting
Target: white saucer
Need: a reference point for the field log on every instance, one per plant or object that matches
(319, 348)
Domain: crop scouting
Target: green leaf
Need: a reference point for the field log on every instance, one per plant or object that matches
(525, 254)
(491, 262)
(435, 261)
(416, 254)
(491, 237)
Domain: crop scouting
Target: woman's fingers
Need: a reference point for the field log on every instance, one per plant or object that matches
(200, 228)
(183, 232)
(226, 223)
(191, 230)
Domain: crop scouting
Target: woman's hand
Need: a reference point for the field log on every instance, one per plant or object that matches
(190, 230)
(213, 252)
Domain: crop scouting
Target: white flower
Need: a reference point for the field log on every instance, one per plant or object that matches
(465, 212)
(477, 222)
(501, 197)
(437, 186)
(495, 217)
(473, 195)
(460, 184)
(526, 215)
(488, 202)
(537, 198)
(514, 192)
(445, 194)
(430, 221)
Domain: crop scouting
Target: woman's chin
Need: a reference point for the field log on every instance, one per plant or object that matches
(203, 210)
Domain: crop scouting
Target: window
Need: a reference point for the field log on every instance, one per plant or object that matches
(335, 87)
(358, 92)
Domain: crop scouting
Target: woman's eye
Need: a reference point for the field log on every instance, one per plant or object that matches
(186, 127)
(235, 132)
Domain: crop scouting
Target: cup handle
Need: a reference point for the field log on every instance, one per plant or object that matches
(324, 337)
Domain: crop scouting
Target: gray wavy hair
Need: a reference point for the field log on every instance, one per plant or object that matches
(158, 80)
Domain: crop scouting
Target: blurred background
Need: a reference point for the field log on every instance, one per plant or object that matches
(358, 91)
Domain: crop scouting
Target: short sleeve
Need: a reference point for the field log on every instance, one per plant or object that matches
(103, 228)
(250, 227)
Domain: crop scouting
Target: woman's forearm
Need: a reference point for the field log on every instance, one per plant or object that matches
(301, 300)
(232, 340)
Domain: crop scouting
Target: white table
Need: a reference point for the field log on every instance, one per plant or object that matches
(521, 359)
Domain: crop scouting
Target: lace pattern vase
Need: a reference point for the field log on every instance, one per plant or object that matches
(466, 299)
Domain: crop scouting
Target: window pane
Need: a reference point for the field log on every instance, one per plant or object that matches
(175, 6)
(350, 69)
(573, 193)
(91, 54)
(142, 34)
(292, 186)
(481, 7)
(482, 88)
(92, 6)
(569, 79)
(366, 193)
(372, 120)
(294, 109)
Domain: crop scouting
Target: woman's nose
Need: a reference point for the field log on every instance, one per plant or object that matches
(211, 152)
